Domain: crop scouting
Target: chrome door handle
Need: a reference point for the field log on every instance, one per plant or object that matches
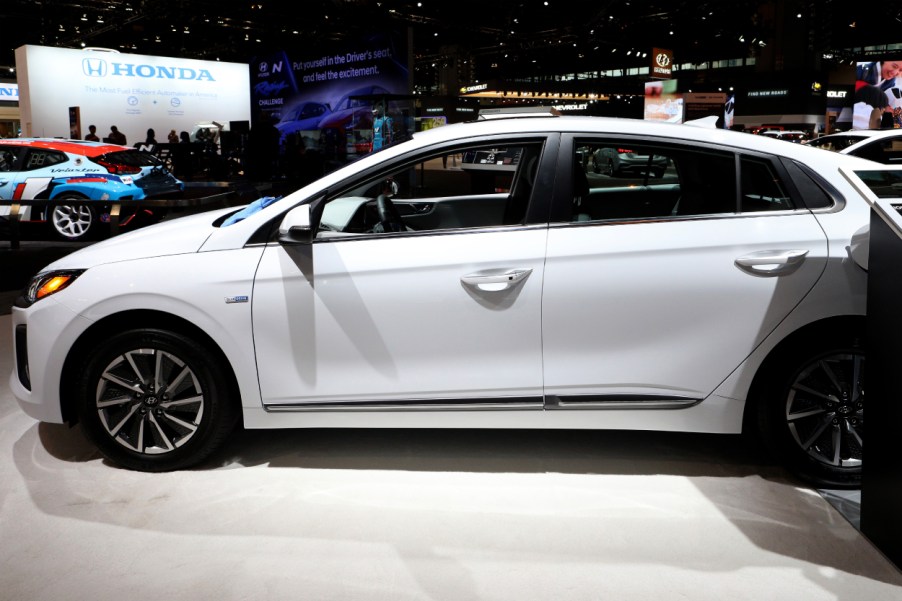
(771, 262)
(495, 281)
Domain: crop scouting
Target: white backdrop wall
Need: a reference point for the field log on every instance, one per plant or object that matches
(131, 91)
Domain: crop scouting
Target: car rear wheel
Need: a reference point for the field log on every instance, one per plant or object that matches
(154, 400)
(71, 222)
(810, 411)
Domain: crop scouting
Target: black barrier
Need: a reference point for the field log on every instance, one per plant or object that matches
(233, 195)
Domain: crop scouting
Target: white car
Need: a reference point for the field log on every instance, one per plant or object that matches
(403, 291)
(879, 145)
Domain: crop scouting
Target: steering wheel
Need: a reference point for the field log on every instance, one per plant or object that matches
(389, 217)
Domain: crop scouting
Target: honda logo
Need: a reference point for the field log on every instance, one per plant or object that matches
(93, 67)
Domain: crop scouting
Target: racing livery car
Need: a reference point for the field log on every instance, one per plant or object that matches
(77, 170)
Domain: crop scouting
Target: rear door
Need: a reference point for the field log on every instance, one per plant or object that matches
(656, 289)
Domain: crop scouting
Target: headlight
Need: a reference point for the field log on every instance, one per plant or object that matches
(49, 282)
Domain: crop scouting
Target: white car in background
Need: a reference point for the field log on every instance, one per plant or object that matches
(726, 296)
(879, 145)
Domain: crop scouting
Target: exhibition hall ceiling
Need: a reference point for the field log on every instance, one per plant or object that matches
(509, 39)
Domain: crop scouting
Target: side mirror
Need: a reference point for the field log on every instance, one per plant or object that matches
(296, 227)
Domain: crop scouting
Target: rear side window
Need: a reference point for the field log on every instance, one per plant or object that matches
(761, 188)
(130, 158)
(620, 179)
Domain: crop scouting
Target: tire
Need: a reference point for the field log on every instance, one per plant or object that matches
(71, 222)
(810, 410)
(170, 424)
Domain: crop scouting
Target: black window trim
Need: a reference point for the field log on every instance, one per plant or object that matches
(561, 211)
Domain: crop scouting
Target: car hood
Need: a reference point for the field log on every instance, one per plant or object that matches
(178, 236)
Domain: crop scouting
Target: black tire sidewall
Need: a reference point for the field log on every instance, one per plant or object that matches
(219, 404)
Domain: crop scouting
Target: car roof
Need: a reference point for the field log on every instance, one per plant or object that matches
(865, 133)
(81, 147)
(592, 125)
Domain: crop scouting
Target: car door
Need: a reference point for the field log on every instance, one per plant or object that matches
(656, 290)
(444, 316)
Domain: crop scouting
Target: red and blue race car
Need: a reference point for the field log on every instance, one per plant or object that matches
(90, 174)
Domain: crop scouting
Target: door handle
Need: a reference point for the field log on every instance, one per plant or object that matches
(495, 281)
(771, 262)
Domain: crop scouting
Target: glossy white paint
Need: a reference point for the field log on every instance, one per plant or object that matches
(375, 319)
(661, 308)
(653, 308)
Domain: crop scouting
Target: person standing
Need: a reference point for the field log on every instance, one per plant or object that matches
(173, 137)
(116, 136)
(91, 136)
(151, 137)
(382, 128)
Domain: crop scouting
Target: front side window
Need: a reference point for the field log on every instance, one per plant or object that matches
(470, 187)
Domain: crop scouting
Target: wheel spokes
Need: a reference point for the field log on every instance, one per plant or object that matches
(824, 409)
(146, 413)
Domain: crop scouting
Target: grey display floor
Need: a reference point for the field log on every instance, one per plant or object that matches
(423, 515)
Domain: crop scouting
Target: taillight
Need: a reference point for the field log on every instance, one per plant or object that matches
(119, 168)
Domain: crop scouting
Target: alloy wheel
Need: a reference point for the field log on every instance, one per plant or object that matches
(149, 401)
(824, 409)
(72, 221)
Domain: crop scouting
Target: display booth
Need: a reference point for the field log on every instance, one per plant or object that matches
(881, 490)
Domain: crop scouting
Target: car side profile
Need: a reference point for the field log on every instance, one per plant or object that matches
(89, 174)
(879, 145)
(516, 290)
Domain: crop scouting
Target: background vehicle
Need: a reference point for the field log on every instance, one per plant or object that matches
(880, 145)
(727, 296)
(350, 124)
(90, 174)
(304, 118)
(787, 135)
(623, 161)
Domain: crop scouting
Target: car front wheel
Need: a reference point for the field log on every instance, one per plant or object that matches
(154, 400)
(72, 222)
(811, 412)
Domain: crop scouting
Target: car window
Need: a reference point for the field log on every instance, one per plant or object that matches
(887, 151)
(132, 158)
(835, 142)
(38, 158)
(7, 160)
(470, 187)
(629, 180)
(761, 188)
